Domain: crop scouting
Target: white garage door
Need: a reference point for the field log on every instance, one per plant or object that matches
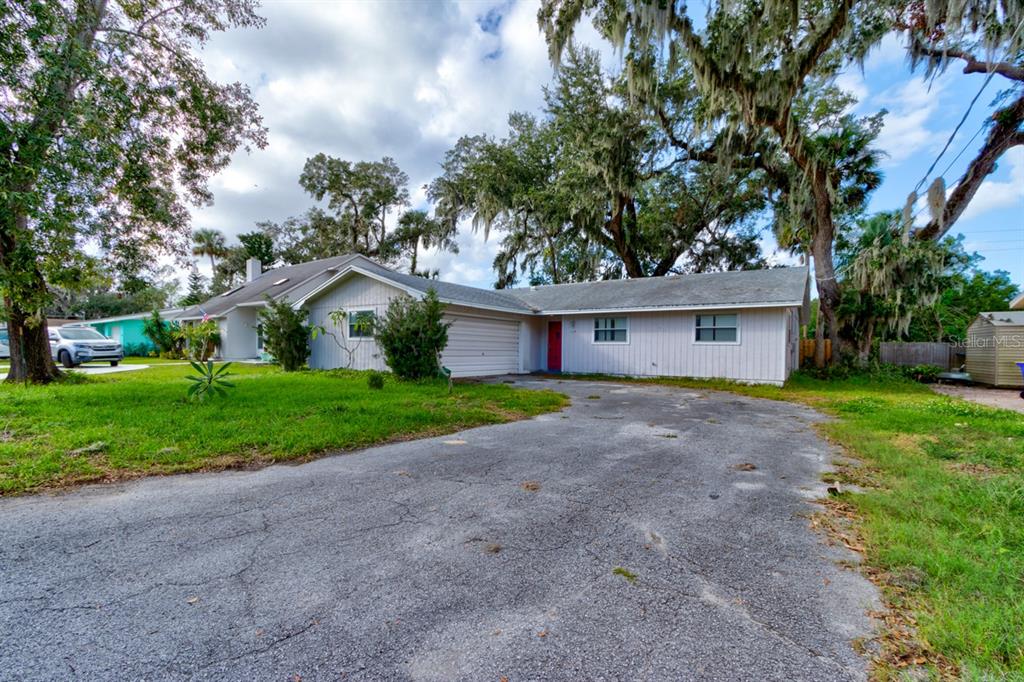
(481, 347)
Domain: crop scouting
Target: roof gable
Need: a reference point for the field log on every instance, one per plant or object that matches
(289, 281)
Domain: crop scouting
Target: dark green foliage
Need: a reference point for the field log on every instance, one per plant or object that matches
(412, 335)
(208, 381)
(138, 350)
(593, 189)
(375, 380)
(965, 295)
(110, 126)
(285, 334)
(164, 335)
(926, 374)
(258, 245)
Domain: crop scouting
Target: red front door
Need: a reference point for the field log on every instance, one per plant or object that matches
(555, 346)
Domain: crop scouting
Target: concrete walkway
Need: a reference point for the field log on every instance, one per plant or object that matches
(643, 533)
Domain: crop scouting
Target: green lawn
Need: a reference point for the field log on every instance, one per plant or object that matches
(134, 423)
(139, 360)
(941, 518)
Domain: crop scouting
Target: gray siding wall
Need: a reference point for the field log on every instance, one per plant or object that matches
(663, 344)
(981, 352)
(354, 294)
(993, 352)
(479, 343)
(238, 335)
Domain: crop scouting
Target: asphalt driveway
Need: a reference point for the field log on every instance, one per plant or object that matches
(620, 539)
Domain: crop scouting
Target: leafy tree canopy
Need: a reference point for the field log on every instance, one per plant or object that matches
(259, 245)
(596, 189)
(110, 124)
(964, 295)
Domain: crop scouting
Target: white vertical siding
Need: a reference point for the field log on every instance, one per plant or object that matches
(662, 344)
(482, 345)
(792, 340)
(479, 343)
(353, 294)
(536, 336)
(238, 337)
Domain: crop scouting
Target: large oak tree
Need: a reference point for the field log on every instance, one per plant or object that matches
(109, 124)
(754, 59)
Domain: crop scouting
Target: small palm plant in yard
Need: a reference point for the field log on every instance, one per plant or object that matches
(208, 381)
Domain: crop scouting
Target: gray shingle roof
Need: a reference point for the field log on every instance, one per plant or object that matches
(299, 279)
(751, 287)
(448, 291)
(1005, 318)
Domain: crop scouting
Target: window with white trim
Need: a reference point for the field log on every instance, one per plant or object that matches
(360, 324)
(718, 328)
(611, 329)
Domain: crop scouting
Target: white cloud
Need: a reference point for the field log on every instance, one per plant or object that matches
(367, 80)
(994, 195)
(911, 106)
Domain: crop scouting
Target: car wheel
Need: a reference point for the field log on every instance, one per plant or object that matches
(65, 359)
(113, 363)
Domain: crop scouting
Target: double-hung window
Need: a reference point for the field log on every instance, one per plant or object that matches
(611, 330)
(718, 328)
(360, 324)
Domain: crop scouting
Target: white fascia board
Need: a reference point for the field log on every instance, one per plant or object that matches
(218, 316)
(672, 309)
(344, 272)
(481, 306)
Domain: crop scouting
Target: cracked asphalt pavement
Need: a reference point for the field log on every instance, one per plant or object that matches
(438, 559)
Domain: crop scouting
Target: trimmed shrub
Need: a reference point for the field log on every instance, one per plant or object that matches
(136, 350)
(412, 335)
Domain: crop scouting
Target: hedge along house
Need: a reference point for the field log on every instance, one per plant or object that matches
(733, 325)
(995, 344)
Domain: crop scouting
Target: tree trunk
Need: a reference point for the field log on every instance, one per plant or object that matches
(616, 230)
(556, 277)
(865, 343)
(415, 250)
(27, 336)
(822, 238)
(828, 293)
(30, 348)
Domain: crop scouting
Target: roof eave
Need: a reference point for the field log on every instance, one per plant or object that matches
(673, 308)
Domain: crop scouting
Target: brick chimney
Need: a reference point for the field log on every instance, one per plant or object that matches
(253, 269)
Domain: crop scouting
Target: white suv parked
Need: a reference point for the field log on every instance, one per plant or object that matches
(71, 345)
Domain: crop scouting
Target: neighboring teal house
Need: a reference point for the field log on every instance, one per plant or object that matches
(127, 330)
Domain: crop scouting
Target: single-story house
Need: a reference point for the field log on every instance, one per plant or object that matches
(733, 325)
(128, 329)
(995, 344)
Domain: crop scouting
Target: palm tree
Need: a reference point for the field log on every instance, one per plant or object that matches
(207, 242)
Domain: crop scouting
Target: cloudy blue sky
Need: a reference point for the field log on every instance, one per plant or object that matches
(363, 80)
